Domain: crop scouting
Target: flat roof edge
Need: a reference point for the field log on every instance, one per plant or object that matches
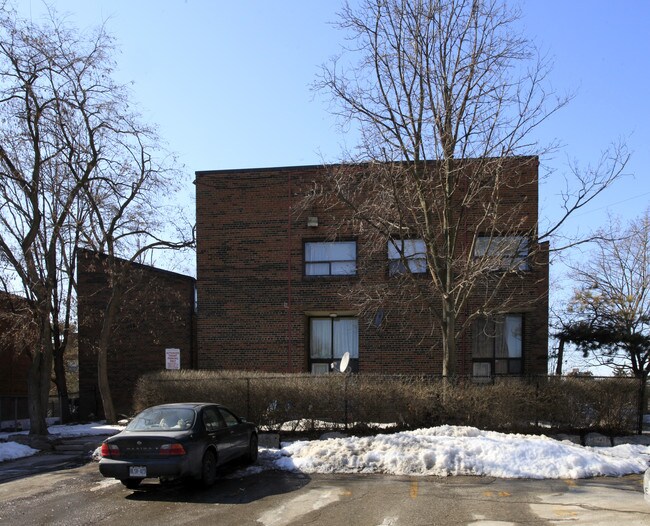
(263, 169)
(294, 168)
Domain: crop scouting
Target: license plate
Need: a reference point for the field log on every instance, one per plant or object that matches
(137, 471)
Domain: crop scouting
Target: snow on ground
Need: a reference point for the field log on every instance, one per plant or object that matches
(73, 430)
(450, 450)
(438, 451)
(13, 450)
(82, 430)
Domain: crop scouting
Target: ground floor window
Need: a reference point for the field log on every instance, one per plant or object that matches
(497, 346)
(329, 339)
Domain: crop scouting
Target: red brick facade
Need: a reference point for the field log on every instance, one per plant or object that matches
(17, 336)
(15, 318)
(255, 301)
(157, 313)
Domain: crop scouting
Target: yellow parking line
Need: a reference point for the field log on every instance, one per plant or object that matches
(500, 494)
(559, 512)
(414, 489)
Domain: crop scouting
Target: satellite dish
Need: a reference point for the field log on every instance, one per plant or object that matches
(345, 361)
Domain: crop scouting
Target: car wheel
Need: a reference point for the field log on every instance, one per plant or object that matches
(131, 483)
(252, 450)
(209, 468)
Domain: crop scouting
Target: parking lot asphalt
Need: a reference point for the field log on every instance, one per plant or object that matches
(69, 453)
(39, 463)
(80, 495)
(603, 500)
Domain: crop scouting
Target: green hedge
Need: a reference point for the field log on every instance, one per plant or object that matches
(275, 401)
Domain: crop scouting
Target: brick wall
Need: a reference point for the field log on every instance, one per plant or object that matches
(254, 302)
(157, 313)
(14, 355)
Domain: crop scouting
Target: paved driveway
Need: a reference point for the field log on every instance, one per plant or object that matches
(80, 496)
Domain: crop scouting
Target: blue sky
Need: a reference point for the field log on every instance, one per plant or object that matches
(228, 82)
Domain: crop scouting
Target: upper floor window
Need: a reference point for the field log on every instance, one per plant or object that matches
(406, 255)
(507, 252)
(331, 258)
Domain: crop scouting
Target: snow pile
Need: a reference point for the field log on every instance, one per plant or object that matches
(82, 430)
(13, 450)
(438, 451)
(450, 450)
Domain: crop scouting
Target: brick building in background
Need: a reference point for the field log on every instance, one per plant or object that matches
(157, 314)
(15, 359)
(269, 282)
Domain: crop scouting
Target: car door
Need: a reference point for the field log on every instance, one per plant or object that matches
(238, 433)
(217, 432)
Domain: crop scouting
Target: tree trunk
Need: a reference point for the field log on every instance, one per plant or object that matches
(560, 357)
(103, 384)
(102, 352)
(448, 357)
(642, 409)
(38, 389)
(449, 352)
(61, 386)
(448, 343)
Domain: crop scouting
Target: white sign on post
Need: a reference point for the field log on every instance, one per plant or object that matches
(172, 358)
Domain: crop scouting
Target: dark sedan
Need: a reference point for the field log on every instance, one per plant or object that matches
(178, 440)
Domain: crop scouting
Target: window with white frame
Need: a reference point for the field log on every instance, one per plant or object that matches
(329, 339)
(331, 258)
(507, 252)
(406, 255)
(497, 346)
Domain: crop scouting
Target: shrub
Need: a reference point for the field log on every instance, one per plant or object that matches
(507, 404)
(609, 405)
(365, 402)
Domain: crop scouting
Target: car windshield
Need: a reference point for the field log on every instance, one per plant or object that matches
(162, 418)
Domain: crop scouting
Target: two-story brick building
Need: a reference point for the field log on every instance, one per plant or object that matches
(270, 278)
(156, 314)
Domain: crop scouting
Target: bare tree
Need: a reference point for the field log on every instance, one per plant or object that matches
(127, 219)
(611, 302)
(65, 137)
(446, 95)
